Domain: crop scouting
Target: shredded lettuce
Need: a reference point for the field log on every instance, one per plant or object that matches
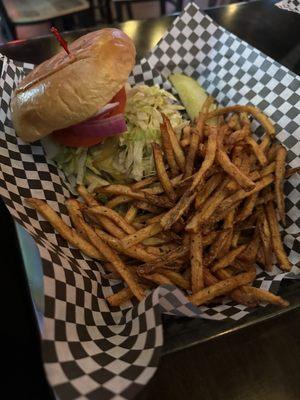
(129, 156)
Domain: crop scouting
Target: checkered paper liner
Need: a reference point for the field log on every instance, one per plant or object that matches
(290, 5)
(91, 351)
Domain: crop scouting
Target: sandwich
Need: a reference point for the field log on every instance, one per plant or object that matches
(92, 124)
(79, 97)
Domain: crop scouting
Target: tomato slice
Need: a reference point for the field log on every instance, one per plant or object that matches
(66, 136)
(120, 97)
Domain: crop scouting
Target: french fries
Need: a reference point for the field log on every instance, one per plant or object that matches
(196, 262)
(162, 173)
(201, 222)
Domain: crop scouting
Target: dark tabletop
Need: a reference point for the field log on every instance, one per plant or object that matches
(260, 362)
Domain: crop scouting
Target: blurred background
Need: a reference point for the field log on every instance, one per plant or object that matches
(23, 19)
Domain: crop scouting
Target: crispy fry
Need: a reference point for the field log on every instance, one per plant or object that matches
(217, 246)
(133, 252)
(291, 171)
(220, 288)
(114, 216)
(107, 252)
(162, 173)
(176, 278)
(259, 154)
(265, 143)
(168, 150)
(265, 296)
(277, 245)
(239, 294)
(279, 177)
(120, 297)
(118, 200)
(228, 258)
(265, 237)
(247, 207)
(212, 183)
(196, 255)
(159, 279)
(131, 214)
(204, 214)
(242, 194)
(63, 229)
(137, 195)
(196, 138)
(237, 136)
(250, 252)
(209, 158)
(178, 152)
(254, 175)
(177, 211)
(142, 234)
(169, 258)
(257, 114)
(192, 151)
(230, 168)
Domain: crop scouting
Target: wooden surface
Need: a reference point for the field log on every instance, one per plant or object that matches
(258, 363)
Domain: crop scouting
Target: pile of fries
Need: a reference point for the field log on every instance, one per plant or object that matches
(203, 222)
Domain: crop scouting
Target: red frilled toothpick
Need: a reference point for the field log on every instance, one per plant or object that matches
(61, 40)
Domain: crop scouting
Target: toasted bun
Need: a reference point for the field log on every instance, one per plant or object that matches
(65, 90)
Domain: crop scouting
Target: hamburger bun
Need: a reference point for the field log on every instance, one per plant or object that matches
(66, 90)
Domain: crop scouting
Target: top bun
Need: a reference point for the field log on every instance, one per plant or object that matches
(64, 90)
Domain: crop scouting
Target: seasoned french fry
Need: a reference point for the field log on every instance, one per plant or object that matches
(159, 279)
(265, 296)
(209, 158)
(107, 252)
(63, 229)
(178, 152)
(265, 237)
(220, 288)
(228, 258)
(176, 278)
(162, 173)
(142, 234)
(177, 211)
(279, 177)
(265, 143)
(196, 138)
(131, 214)
(133, 252)
(291, 171)
(259, 154)
(247, 207)
(230, 168)
(212, 183)
(137, 195)
(117, 299)
(237, 136)
(204, 214)
(242, 194)
(277, 245)
(118, 200)
(257, 114)
(168, 150)
(217, 246)
(197, 267)
(114, 216)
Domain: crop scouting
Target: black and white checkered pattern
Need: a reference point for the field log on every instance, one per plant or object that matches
(289, 5)
(92, 351)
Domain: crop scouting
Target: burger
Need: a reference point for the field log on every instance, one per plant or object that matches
(77, 97)
(92, 124)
